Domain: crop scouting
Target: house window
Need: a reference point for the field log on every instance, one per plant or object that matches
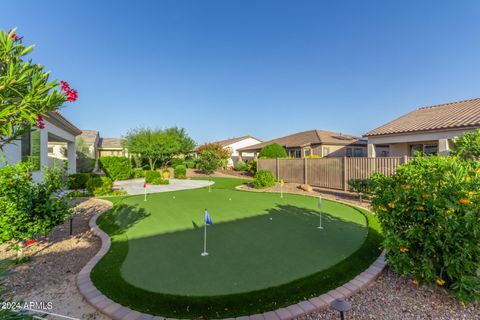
(430, 149)
(358, 152)
(295, 153)
(326, 151)
(349, 152)
(307, 152)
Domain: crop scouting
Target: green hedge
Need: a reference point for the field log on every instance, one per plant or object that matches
(138, 173)
(107, 277)
(78, 181)
(100, 186)
(116, 168)
(273, 150)
(263, 179)
(180, 172)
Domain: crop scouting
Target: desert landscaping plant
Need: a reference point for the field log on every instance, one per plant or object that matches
(116, 168)
(467, 146)
(27, 93)
(209, 161)
(29, 209)
(273, 150)
(180, 172)
(429, 211)
(100, 186)
(263, 179)
(240, 166)
(223, 153)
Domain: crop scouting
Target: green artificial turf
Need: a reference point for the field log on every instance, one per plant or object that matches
(264, 251)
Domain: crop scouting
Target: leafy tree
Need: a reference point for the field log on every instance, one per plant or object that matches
(85, 159)
(26, 91)
(273, 150)
(223, 153)
(467, 146)
(158, 146)
(209, 161)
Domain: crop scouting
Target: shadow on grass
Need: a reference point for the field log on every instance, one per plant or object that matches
(107, 275)
(120, 218)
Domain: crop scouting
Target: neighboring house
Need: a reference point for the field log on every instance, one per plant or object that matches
(234, 144)
(429, 130)
(35, 145)
(319, 143)
(111, 147)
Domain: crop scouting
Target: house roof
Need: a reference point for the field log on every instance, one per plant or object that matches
(310, 137)
(228, 142)
(110, 143)
(57, 119)
(453, 115)
(89, 136)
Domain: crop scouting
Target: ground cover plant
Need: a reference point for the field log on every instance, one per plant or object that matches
(251, 231)
(430, 214)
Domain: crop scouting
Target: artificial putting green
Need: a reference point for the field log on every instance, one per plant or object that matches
(257, 241)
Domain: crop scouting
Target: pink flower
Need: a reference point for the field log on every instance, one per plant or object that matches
(14, 36)
(30, 242)
(40, 124)
(70, 94)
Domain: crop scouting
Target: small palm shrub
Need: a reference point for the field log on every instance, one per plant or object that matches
(116, 168)
(100, 186)
(180, 172)
(152, 175)
(240, 166)
(430, 215)
(78, 180)
(263, 179)
(189, 164)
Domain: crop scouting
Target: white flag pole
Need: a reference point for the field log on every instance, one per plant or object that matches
(205, 253)
(320, 213)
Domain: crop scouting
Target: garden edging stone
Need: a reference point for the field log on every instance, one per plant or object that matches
(118, 312)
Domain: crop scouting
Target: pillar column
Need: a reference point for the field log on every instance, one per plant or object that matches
(443, 147)
(72, 157)
(371, 150)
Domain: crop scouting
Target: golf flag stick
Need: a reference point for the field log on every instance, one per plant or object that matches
(281, 188)
(145, 189)
(208, 221)
(319, 205)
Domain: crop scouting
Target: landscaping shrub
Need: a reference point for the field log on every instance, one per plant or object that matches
(252, 166)
(165, 173)
(176, 162)
(152, 175)
(429, 211)
(138, 173)
(263, 179)
(85, 165)
(240, 166)
(78, 180)
(209, 161)
(360, 185)
(273, 150)
(180, 172)
(467, 146)
(116, 168)
(100, 186)
(28, 209)
(158, 181)
(189, 164)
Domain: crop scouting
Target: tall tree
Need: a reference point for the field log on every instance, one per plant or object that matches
(158, 146)
(26, 91)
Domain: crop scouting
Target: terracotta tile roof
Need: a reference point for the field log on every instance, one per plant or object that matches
(89, 136)
(310, 137)
(227, 142)
(454, 115)
(110, 143)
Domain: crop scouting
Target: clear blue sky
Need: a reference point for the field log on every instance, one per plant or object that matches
(267, 68)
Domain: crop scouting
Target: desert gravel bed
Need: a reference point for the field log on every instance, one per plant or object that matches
(395, 297)
(50, 275)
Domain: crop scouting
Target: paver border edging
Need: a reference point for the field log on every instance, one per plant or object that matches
(118, 312)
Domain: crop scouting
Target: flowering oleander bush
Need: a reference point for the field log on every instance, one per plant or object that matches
(430, 215)
(27, 92)
(263, 179)
(28, 209)
(116, 168)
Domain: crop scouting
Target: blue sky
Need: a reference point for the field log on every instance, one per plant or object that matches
(267, 68)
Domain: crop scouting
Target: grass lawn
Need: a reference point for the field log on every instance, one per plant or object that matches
(261, 248)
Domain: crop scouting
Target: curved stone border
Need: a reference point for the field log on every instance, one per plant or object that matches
(118, 312)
